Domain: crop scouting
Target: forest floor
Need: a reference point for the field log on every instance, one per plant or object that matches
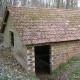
(10, 69)
(66, 74)
(66, 71)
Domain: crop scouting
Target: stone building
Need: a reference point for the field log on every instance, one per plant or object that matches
(41, 38)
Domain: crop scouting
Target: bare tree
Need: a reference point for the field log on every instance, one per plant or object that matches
(67, 4)
(58, 3)
(1, 9)
(72, 4)
(62, 4)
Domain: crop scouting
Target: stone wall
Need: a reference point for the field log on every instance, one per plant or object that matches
(31, 60)
(63, 51)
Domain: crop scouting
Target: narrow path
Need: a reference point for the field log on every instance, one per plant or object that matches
(65, 75)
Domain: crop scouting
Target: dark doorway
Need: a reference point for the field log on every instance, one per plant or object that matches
(42, 59)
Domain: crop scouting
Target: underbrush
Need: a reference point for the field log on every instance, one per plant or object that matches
(64, 66)
(5, 74)
(75, 75)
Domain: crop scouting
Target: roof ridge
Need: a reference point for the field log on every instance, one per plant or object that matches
(42, 8)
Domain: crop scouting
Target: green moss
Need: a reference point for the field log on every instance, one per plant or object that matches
(29, 27)
(33, 15)
(58, 16)
(65, 66)
(37, 14)
(75, 75)
(72, 18)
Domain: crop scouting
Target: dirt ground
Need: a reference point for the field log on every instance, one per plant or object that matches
(62, 75)
(11, 63)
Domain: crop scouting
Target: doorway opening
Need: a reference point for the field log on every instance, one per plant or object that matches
(42, 59)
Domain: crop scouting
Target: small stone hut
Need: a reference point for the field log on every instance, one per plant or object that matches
(41, 38)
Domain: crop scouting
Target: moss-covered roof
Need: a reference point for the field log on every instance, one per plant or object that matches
(43, 25)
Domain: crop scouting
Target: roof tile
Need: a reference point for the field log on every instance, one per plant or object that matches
(42, 25)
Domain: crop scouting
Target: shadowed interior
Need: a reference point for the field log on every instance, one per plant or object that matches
(42, 59)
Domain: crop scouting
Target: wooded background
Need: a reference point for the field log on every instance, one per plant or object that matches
(72, 4)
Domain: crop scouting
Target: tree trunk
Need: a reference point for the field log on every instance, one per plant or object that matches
(67, 4)
(58, 3)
